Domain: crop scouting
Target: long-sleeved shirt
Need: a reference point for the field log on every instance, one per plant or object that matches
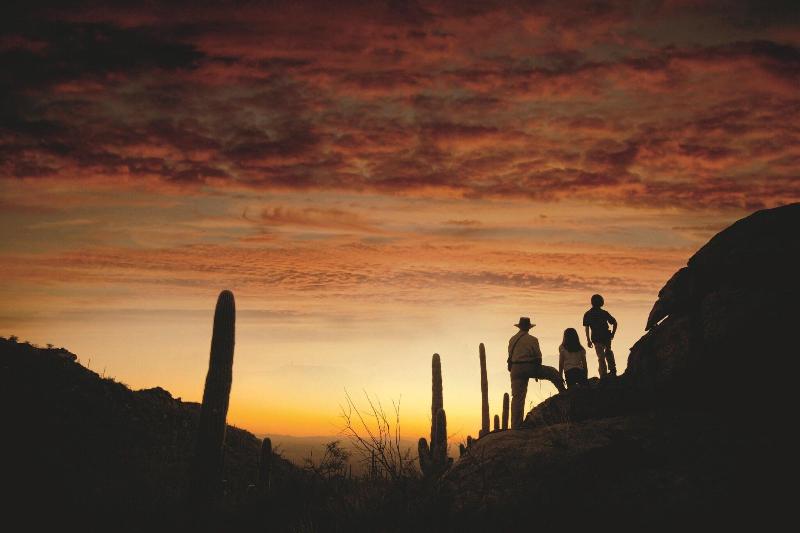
(526, 348)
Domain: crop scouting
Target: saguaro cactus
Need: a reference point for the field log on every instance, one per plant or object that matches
(484, 394)
(209, 452)
(505, 411)
(265, 464)
(497, 422)
(433, 459)
(437, 400)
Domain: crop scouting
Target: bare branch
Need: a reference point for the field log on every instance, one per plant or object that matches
(377, 437)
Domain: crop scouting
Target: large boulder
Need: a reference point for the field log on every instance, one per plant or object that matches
(729, 314)
(760, 252)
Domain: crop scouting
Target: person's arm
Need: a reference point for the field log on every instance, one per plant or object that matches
(560, 361)
(536, 352)
(613, 322)
(585, 366)
(588, 337)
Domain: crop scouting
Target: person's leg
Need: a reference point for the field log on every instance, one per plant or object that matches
(519, 389)
(601, 357)
(612, 364)
(583, 379)
(550, 374)
(573, 377)
(569, 378)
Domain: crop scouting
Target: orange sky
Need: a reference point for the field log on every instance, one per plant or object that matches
(375, 184)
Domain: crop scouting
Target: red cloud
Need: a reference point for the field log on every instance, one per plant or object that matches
(490, 100)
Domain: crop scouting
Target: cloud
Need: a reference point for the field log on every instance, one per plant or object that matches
(467, 223)
(319, 218)
(590, 102)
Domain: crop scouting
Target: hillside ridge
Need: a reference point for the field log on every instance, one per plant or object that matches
(95, 440)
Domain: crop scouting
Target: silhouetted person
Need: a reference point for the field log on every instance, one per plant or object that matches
(596, 321)
(572, 359)
(524, 363)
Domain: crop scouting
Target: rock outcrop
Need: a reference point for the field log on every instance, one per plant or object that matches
(727, 312)
(687, 435)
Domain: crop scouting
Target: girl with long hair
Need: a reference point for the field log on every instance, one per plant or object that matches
(572, 359)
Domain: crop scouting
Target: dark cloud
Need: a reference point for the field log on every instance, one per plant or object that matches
(62, 51)
(485, 99)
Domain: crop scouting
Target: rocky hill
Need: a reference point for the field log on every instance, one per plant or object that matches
(88, 446)
(693, 432)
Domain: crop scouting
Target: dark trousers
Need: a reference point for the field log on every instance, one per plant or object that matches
(605, 356)
(520, 374)
(576, 376)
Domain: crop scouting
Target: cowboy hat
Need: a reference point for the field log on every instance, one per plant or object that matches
(524, 323)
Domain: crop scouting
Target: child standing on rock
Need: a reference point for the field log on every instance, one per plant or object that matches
(572, 359)
(598, 334)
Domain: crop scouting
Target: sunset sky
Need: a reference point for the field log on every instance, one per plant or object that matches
(375, 182)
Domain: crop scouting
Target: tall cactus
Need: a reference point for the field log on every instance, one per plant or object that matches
(505, 410)
(265, 464)
(437, 399)
(433, 459)
(484, 394)
(209, 452)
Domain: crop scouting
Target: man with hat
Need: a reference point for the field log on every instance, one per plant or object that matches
(524, 363)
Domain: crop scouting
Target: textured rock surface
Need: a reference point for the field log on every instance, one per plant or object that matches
(600, 399)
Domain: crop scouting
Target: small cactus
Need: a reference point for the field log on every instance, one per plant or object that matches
(425, 461)
(209, 453)
(462, 450)
(505, 411)
(484, 393)
(497, 422)
(265, 464)
(433, 460)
